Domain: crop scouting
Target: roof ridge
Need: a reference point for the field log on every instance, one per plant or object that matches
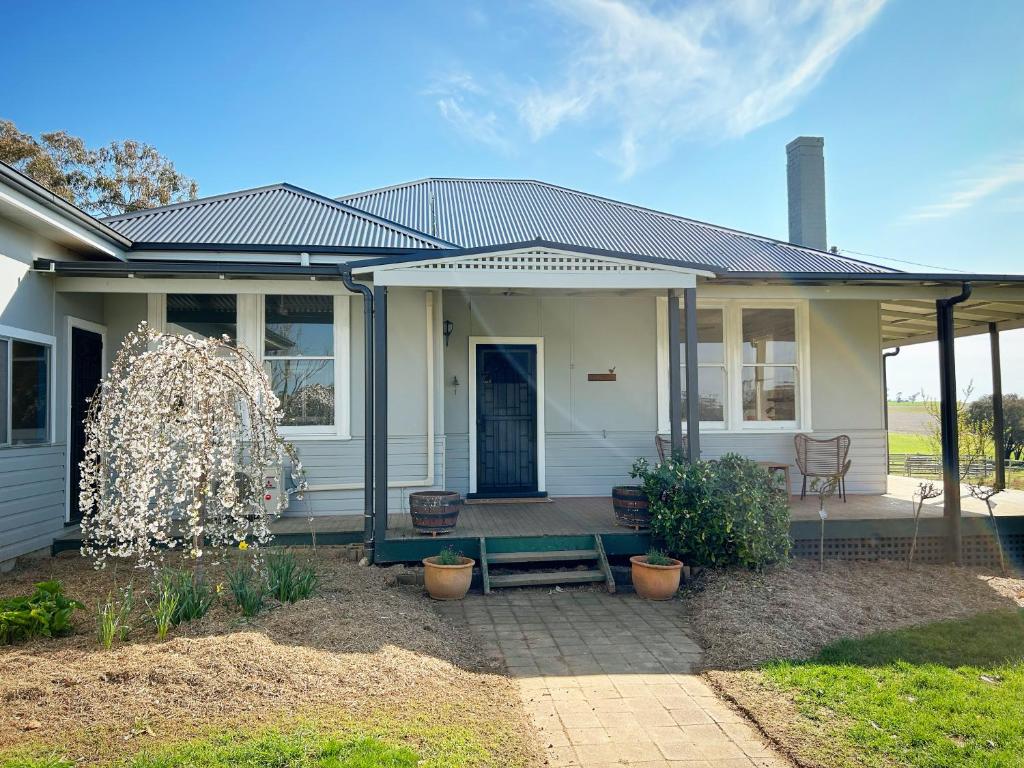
(372, 217)
(633, 206)
(198, 201)
(296, 190)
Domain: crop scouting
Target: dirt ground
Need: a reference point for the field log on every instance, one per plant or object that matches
(363, 650)
(744, 618)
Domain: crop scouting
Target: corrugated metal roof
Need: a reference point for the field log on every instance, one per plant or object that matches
(482, 212)
(279, 215)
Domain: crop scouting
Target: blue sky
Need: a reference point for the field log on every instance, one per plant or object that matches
(685, 107)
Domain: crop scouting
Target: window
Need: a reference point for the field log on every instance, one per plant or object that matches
(751, 357)
(769, 355)
(298, 350)
(24, 392)
(203, 314)
(711, 360)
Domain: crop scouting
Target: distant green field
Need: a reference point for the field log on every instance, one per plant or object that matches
(900, 442)
(919, 405)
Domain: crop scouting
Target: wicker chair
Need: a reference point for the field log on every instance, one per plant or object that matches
(823, 459)
(664, 445)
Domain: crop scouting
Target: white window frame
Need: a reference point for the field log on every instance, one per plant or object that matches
(7, 335)
(734, 423)
(251, 309)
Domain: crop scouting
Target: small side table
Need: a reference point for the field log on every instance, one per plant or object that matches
(780, 472)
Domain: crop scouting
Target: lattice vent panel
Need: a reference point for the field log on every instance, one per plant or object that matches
(537, 262)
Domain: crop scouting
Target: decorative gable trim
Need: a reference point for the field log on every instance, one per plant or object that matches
(534, 266)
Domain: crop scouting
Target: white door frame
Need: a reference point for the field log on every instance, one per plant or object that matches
(535, 341)
(85, 325)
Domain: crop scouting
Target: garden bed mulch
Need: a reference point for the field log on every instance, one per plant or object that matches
(362, 652)
(744, 619)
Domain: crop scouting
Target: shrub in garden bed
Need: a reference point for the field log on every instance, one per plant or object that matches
(46, 612)
(717, 513)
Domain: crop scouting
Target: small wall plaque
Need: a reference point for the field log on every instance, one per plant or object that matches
(610, 376)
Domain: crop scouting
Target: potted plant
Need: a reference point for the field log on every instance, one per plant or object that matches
(655, 575)
(447, 575)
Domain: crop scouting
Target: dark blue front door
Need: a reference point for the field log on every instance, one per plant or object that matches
(506, 419)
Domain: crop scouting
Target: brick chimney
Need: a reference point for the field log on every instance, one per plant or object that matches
(805, 180)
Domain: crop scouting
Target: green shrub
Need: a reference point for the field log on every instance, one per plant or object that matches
(448, 556)
(288, 581)
(112, 618)
(45, 612)
(247, 591)
(715, 513)
(658, 557)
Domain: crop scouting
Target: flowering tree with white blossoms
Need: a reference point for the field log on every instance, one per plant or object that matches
(178, 441)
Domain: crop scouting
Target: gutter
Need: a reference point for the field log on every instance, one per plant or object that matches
(58, 204)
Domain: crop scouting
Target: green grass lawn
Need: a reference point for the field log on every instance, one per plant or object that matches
(305, 744)
(947, 694)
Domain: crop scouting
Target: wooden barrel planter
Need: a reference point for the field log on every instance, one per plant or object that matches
(631, 508)
(434, 512)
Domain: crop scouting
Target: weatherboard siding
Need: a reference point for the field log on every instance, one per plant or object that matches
(32, 485)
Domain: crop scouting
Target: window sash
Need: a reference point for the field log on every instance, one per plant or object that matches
(337, 370)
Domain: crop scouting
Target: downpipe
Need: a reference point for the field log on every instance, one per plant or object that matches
(368, 405)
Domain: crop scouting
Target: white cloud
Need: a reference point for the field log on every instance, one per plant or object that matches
(455, 98)
(992, 178)
(649, 75)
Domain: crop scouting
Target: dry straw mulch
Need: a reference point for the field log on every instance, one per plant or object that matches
(363, 651)
(743, 618)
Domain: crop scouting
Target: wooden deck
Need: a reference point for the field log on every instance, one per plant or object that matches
(583, 516)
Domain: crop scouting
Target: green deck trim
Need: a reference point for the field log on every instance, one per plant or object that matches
(414, 550)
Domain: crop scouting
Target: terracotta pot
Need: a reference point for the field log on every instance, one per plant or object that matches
(655, 582)
(447, 582)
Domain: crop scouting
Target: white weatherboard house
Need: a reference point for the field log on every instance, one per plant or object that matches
(527, 339)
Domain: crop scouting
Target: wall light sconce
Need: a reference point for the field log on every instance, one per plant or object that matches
(447, 327)
(455, 383)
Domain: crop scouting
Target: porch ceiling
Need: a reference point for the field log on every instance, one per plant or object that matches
(906, 322)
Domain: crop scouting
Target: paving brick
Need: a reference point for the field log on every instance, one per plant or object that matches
(606, 680)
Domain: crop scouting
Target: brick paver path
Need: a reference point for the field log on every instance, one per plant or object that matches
(608, 680)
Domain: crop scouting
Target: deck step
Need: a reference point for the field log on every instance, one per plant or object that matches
(554, 555)
(535, 578)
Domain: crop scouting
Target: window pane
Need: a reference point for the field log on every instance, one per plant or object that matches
(769, 393)
(5, 351)
(306, 391)
(710, 336)
(769, 336)
(299, 326)
(711, 386)
(211, 315)
(29, 379)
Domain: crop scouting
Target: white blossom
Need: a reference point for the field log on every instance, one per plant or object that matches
(179, 438)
